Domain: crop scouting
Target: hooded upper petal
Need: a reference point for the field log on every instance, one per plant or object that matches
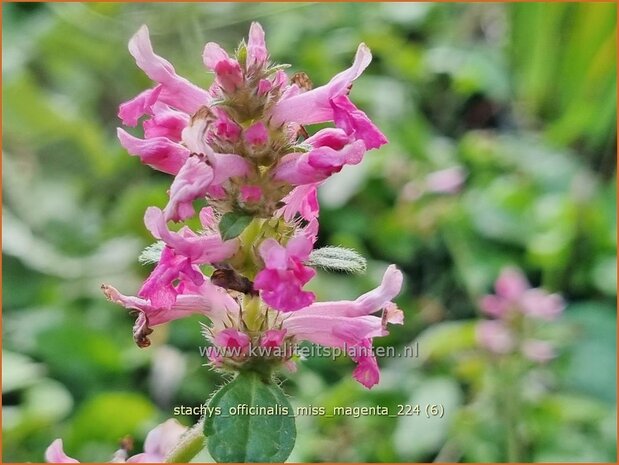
(55, 453)
(176, 91)
(159, 153)
(314, 106)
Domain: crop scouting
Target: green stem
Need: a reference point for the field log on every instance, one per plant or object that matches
(191, 443)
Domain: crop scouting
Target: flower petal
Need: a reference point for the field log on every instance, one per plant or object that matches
(176, 91)
(159, 153)
(55, 453)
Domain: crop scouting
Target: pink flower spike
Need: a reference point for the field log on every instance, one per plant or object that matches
(538, 351)
(315, 106)
(495, 336)
(130, 112)
(232, 339)
(356, 123)
(251, 194)
(159, 442)
(176, 91)
(273, 338)
(257, 134)
(55, 453)
(159, 153)
(284, 275)
(257, 53)
(191, 182)
(511, 284)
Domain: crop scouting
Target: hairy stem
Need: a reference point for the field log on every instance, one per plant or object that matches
(191, 443)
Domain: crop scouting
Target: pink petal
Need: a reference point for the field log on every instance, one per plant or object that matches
(315, 106)
(232, 339)
(447, 181)
(165, 122)
(494, 306)
(213, 54)
(273, 338)
(511, 284)
(495, 336)
(130, 112)
(163, 438)
(191, 183)
(538, 351)
(356, 123)
(537, 303)
(251, 194)
(176, 91)
(199, 249)
(257, 134)
(55, 453)
(256, 47)
(159, 153)
(302, 200)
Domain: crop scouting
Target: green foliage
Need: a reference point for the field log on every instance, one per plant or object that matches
(232, 224)
(521, 96)
(237, 436)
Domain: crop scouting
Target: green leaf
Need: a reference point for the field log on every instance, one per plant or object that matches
(235, 436)
(233, 223)
(151, 254)
(338, 258)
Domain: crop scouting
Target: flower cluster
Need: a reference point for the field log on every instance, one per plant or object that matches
(244, 163)
(516, 309)
(158, 444)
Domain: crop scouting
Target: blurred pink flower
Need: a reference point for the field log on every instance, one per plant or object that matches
(447, 181)
(495, 336)
(538, 351)
(158, 444)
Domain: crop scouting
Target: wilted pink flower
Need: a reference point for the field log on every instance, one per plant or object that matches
(495, 336)
(158, 444)
(284, 275)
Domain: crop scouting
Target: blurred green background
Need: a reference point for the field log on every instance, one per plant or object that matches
(522, 97)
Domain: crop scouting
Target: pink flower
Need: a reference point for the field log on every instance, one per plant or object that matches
(251, 194)
(158, 444)
(538, 351)
(257, 53)
(159, 289)
(537, 303)
(198, 248)
(284, 275)
(367, 372)
(356, 123)
(232, 339)
(514, 293)
(332, 149)
(228, 73)
(447, 181)
(175, 90)
(350, 323)
(130, 112)
(495, 336)
(273, 338)
(191, 182)
(55, 453)
(165, 122)
(225, 128)
(206, 299)
(302, 200)
(256, 135)
(159, 153)
(315, 106)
